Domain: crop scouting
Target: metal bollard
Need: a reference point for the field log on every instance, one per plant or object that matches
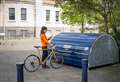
(84, 70)
(20, 72)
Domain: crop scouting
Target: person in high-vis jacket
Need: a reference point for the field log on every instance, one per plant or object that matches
(44, 43)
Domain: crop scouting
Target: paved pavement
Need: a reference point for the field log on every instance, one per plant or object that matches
(18, 45)
(9, 58)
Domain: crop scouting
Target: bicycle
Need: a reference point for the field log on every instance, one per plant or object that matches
(33, 61)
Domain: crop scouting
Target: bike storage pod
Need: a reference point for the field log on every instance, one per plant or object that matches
(86, 50)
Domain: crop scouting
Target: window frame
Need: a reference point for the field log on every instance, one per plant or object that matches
(12, 13)
(48, 12)
(24, 15)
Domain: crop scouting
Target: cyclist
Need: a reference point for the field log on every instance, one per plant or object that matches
(44, 43)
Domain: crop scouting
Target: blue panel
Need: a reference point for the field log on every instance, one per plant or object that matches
(78, 44)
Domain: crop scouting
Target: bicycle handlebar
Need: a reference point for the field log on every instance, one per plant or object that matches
(51, 46)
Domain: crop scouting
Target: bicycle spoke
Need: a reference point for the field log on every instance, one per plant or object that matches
(56, 61)
(31, 63)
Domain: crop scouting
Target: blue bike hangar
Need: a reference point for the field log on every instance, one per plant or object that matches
(99, 49)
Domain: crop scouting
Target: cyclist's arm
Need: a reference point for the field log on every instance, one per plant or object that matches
(44, 39)
(50, 38)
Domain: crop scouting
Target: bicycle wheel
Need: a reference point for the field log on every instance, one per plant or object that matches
(56, 61)
(32, 63)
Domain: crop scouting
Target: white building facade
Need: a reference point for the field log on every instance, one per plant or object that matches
(17, 18)
(24, 18)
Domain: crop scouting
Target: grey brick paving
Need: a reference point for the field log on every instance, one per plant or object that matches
(9, 58)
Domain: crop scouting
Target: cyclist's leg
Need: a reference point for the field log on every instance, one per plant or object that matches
(44, 56)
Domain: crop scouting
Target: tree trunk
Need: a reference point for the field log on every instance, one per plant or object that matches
(82, 29)
(106, 24)
(105, 15)
(112, 17)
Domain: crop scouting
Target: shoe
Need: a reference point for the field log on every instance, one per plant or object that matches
(45, 66)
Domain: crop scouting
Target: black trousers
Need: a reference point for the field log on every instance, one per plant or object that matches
(44, 54)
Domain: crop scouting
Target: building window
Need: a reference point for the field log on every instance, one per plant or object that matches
(47, 15)
(57, 16)
(11, 34)
(11, 13)
(23, 14)
(24, 33)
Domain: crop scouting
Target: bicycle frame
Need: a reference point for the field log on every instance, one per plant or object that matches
(52, 53)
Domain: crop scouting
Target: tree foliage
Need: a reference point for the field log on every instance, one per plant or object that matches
(104, 12)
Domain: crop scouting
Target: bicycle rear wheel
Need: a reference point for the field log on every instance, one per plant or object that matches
(32, 63)
(56, 61)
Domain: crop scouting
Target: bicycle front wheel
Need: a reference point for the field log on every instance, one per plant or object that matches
(32, 63)
(56, 61)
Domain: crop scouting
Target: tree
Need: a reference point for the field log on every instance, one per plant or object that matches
(104, 9)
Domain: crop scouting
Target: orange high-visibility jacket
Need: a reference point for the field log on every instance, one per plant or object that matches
(44, 40)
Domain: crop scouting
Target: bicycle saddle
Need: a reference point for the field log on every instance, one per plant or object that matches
(36, 46)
